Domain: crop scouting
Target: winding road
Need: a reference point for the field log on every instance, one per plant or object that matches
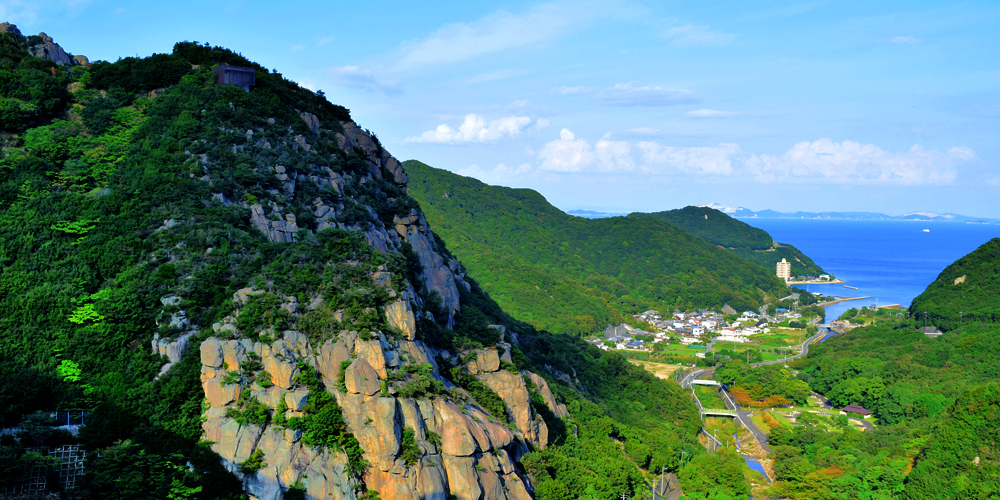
(742, 415)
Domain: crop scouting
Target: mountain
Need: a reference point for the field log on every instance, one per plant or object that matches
(966, 290)
(742, 213)
(746, 241)
(234, 287)
(569, 274)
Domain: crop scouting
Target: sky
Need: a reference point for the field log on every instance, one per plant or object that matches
(627, 105)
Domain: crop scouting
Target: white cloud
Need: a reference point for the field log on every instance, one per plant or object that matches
(962, 153)
(697, 36)
(710, 113)
(542, 123)
(502, 174)
(495, 33)
(852, 162)
(361, 78)
(570, 90)
(523, 103)
(821, 161)
(474, 129)
(710, 160)
(625, 94)
(904, 39)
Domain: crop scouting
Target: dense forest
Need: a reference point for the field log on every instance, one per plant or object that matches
(965, 291)
(934, 399)
(573, 275)
(133, 188)
(746, 241)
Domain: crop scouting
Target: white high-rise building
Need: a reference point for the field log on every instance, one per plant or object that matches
(785, 270)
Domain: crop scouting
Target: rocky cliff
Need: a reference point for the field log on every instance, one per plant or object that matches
(457, 448)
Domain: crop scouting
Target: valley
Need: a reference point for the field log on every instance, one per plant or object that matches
(216, 284)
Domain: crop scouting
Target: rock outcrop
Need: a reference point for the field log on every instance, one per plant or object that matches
(43, 47)
(463, 451)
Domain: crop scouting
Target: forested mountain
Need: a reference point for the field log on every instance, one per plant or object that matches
(967, 290)
(749, 242)
(237, 288)
(934, 399)
(575, 275)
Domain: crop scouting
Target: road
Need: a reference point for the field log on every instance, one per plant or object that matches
(707, 372)
(741, 414)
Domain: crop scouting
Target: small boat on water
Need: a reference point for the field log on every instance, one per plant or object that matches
(851, 287)
(927, 230)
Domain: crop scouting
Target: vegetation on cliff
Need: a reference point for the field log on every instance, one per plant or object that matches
(746, 241)
(572, 275)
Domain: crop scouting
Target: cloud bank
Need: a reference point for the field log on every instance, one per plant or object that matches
(820, 161)
(474, 128)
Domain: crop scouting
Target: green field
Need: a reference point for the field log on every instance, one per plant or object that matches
(709, 397)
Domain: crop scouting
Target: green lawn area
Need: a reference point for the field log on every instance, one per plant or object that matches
(709, 396)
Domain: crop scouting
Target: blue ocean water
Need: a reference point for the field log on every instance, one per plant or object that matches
(893, 261)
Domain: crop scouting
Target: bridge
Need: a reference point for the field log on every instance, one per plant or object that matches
(705, 382)
(716, 412)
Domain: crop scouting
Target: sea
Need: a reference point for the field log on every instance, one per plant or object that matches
(892, 261)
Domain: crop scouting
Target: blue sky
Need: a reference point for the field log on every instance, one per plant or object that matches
(622, 106)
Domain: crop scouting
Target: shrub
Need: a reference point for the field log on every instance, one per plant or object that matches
(408, 448)
(253, 463)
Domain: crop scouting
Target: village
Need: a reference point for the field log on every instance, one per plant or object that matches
(698, 330)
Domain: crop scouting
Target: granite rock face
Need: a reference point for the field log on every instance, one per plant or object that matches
(463, 451)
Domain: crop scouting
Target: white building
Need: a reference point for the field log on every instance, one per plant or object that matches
(785, 270)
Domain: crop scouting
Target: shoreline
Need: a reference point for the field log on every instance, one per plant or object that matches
(834, 282)
(844, 299)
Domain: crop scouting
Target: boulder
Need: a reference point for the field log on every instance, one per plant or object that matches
(488, 360)
(211, 353)
(371, 351)
(311, 121)
(361, 378)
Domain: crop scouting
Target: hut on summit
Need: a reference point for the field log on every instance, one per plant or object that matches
(235, 75)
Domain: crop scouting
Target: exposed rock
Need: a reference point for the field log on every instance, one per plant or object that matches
(281, 230)
(330, 356)
(399, 315)
(488, 360)
(559, 410)
(283, 372)
(361, 378)
(82, 60)
(311, 121)
(46, 48)
(220, 395)
(510, 387)
(372, 351)
(436, 275)
(211, 353)
(379, 434)
(296, 400)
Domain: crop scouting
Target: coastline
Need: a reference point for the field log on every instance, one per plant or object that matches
(833, 282)
(843, 299)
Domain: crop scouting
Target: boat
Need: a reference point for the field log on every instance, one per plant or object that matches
(851, 287)
(927, 230)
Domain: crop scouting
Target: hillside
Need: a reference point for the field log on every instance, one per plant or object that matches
(934, 400)
(237, 289)
(746, 241)
(968, 289)
(568, 274)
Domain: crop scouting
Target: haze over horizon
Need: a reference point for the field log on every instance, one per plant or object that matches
(625, 105)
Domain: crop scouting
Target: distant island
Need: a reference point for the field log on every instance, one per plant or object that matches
(745, 213)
